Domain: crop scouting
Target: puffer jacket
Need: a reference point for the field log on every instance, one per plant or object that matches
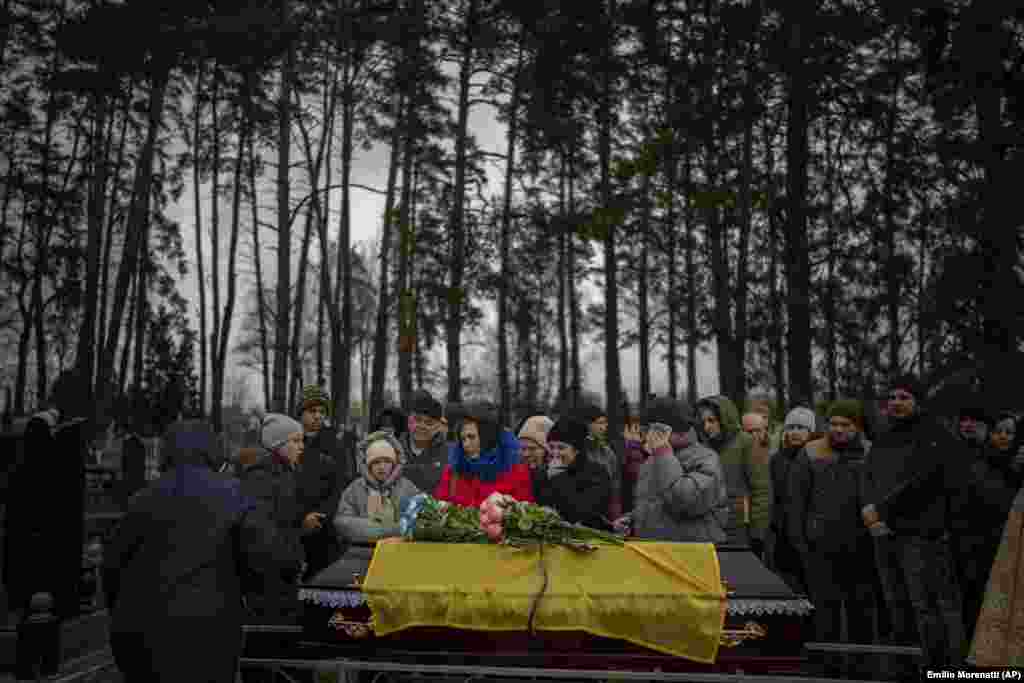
(352, 521)
(826, 495)
(462, 486)
(681, 496)
(747, 477)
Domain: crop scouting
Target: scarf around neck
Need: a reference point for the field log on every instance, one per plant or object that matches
(491, 464)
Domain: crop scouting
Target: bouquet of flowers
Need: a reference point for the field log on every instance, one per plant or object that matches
(500, 519)
(425, 518)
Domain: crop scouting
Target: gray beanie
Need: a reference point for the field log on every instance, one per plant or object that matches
(801, 417)
(276, 429)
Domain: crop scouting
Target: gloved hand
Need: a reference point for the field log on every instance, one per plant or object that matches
(555, 467)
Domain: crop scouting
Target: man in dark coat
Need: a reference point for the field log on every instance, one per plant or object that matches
(180, 563)
(825, 491)
(320, 478)
(426, 444)
(915, 478)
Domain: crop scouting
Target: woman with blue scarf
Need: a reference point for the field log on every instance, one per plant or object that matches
(484, 460)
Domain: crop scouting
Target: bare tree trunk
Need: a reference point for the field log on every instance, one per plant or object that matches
(197, 117)
(891, 263)
(215, 262)
(406, 301)
(284, 227)
(261, 304)
(505, 244)
(691, 285)
(563, 277)
(643, 315)
(380, 358)
(86, 353)
(829, 303)
(743, 265)
(300, 305)
(776, 339)
(798, 266)
(457, 295)
(136, 229)
(341, 353)
(108, 238)
(613, 376)
(574, 318)
(236, 220)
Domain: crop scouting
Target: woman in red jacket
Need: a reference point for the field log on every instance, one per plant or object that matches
(484, 460)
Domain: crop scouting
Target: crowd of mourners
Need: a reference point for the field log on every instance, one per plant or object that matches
(890, 529)
(888, 523)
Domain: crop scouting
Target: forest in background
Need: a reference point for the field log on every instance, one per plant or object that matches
(825, 190)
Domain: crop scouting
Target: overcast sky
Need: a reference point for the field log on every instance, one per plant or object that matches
(370, 168)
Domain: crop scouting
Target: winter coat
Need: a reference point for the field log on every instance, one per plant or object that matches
(329, 443)
(320, 480)
(634, 459)
(681, 496)
(784, 556)
(273, 484)
(916, 475)
(826, 496)
(600, 453)
(45, 514)
(992, 485)
(580, 494)
(352, 520)
(189, 547)
(425, 470)
(747, 477)
(468, 482)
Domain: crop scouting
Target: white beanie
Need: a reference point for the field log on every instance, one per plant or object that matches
(536, 429)
(801, 417)
(276, 429)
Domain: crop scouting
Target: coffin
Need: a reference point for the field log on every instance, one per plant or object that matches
(766, 625)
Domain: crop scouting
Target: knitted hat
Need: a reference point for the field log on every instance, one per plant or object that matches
(425, 404)
(672, 412)
(313, 395)
(536, 429)
(571, 431)
(190, 442)
(276, 429)
(381, 450)
(910, 384)
(800, 417)
(849, 408)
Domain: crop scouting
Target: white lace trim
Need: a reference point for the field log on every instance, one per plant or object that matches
(736, 607)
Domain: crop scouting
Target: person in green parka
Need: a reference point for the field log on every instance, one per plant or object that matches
(748, 477)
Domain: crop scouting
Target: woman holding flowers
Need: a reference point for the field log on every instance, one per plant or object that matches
(369, 508)
(483, 461)
(575, 486)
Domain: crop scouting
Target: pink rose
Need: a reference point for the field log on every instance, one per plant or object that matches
(495, 532)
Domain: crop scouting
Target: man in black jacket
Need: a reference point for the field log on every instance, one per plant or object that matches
(915, 477)
(825, 489)
(426, 443)
(321, 477)
(185, 553)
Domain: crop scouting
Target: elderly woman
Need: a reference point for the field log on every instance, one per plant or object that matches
(533, 438)
(578, 488)
(369, 507)
(485, 460)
